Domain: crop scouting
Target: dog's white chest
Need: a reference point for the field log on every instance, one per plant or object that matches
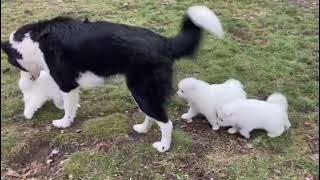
(89, 79)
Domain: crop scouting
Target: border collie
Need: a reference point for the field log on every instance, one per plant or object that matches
(83, 53)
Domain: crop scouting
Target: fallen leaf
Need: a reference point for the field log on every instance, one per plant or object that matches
(307, 123)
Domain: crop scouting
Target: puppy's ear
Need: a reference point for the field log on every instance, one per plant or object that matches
(5, 46)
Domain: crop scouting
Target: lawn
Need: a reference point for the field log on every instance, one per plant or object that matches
(270, 45)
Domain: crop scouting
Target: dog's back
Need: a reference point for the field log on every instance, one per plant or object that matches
(229, 90)
(255, 113)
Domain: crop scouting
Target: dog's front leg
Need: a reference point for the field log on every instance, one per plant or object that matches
(71, 101)
(232, 130)
(190, 114)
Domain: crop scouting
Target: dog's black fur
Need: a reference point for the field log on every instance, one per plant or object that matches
(145, 58)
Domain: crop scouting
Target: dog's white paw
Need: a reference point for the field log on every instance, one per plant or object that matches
(245, 134)
(215, 127)
(186, 116)
(62, 123)
(140, 128)
(60, 107)
(161, 147)
(28, 114)
(232, 130)
(273, 135)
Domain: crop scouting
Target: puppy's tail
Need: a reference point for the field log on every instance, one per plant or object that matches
(277, 98)
(187, 41)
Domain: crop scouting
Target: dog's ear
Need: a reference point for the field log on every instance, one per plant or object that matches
(5, 46)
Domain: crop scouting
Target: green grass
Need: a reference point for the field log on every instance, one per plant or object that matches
(269, 46)
(105, 127)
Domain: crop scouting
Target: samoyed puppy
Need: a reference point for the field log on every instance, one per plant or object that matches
(204, 98)
(244, 115)
(38, 91)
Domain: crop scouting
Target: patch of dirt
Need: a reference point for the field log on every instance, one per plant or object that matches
(222, 146)
(39, 162)
(42, 161)
(242, 34)
(219, 146)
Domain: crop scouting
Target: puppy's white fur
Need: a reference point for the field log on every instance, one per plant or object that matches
(244, 115)
(204, 98)
(37, 92)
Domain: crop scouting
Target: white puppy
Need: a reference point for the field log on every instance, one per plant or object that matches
(244, 115)
(204, 98)
(37, 92)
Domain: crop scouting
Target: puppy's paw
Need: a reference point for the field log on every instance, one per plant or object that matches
(232, 130)
(140, 128)
(161, 147)
(273, 135)
(186, 116)
(60, 107)
(245, 134)
(62, 123)
(28, 114)
(215, 127)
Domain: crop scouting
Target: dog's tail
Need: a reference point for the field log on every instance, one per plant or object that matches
(187, 41)
(277, 98)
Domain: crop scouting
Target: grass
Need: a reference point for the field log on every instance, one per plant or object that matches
(269, 46)
(105, 127)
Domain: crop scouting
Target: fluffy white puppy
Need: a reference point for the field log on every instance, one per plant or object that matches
(38, 91)
(244, 115)
(204, 98)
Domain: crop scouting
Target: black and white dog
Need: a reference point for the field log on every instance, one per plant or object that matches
(83, 53)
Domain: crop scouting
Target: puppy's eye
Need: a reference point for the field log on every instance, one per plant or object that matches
(181, 91)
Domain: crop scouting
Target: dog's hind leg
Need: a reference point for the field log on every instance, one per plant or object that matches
(275, 132)
(145, 126)
(154, 111)
(213, 120)
(150, 93)
(71, 101)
